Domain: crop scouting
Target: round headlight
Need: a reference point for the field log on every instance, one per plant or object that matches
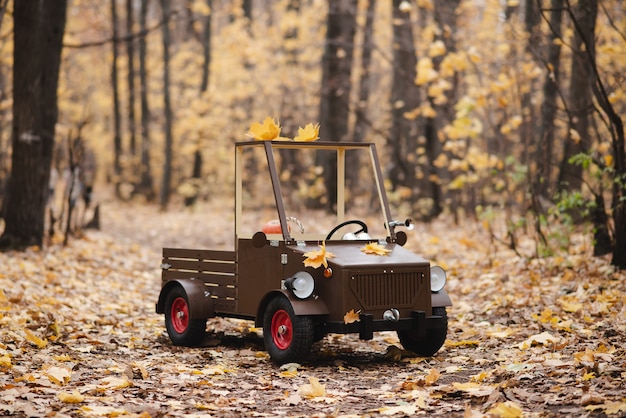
(301, 284)
(437, 278)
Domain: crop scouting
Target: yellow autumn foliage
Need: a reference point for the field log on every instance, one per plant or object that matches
(317, 258)
(309, 133)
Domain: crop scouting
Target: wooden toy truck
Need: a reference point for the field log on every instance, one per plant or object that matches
(300, 285)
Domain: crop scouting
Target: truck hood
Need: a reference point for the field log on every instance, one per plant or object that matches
(348, 254)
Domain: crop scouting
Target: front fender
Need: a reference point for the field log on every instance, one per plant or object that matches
(440, 299)
(200, 302)
(310, 306)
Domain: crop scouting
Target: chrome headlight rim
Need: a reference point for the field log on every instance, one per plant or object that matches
(438, 278)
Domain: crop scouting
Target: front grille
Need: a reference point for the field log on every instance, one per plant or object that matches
(387, 289)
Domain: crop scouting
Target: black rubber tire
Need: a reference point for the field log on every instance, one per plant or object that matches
(431, 343)
(182, 330)
(288, 337)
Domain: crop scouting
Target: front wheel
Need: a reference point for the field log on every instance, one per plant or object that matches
(288, 337)
(180, 327)
(433, 340)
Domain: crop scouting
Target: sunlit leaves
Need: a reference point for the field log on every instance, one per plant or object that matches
(352, 316)
(375, 248)
(317, 258)
(73, 397)
(313, 389)
(266, 131)
(309, 133)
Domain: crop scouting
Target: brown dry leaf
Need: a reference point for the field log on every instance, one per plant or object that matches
(609, 408)
(375, 249)
(317, 258)
(352, 316)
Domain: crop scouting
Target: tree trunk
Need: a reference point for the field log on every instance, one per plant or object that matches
(404, 98)
(146, 186)
(361, 123)
(580, 103)
(130, 51)
(166, 183)
(336, 83)
(38, 37)
(545, 150)
(196, 172)
(117, 135)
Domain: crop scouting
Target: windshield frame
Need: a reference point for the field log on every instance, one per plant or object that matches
(339, 147)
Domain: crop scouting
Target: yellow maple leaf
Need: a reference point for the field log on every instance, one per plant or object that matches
(375, 248)
(317, 258)
(506, 409)
(351, 317)
(74, 397)
(432, 377)
(313, 389)
(309, 133)
(31, 337)
(5, 361)
(266, 131)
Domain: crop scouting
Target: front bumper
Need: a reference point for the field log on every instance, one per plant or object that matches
(367, 325)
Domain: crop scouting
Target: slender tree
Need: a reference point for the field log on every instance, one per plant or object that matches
(336, 81)
(146, 186)
(361, 124)
(545, 149)
(205, 40)
(404, 98)
(117, 128)
(580, 94)
(130, 52)
(38, 37)
(166, 183)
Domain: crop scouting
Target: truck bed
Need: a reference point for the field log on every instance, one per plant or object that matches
(216, 269)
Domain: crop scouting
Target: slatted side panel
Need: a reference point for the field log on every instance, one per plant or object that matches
(216, 269)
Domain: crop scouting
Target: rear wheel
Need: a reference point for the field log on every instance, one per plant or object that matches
(180, 327)
(429, 344)
(288, 337)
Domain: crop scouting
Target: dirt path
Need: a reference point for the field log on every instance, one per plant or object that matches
(79, 336)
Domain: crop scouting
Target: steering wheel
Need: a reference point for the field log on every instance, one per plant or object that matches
(341, 225)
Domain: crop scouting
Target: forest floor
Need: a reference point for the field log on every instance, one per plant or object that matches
(527, 337)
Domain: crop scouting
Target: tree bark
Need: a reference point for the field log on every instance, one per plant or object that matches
(196, 172)
(146, 186)
(117, 134)
(130, 51)
(361, 124)
(38, 36)
(580, 103)
(404, 98)
(545, 150)
(336, 82)
(166, 183)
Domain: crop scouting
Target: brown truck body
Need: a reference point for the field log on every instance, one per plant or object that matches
(257, 281)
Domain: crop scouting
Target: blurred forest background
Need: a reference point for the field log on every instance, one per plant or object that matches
(505, 112)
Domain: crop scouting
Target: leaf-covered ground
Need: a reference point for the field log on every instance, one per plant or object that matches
(79, 336)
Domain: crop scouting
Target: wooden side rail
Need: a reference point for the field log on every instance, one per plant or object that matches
(216, 269)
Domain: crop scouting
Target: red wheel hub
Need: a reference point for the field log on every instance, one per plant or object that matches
(180, 315)
(282, 329)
